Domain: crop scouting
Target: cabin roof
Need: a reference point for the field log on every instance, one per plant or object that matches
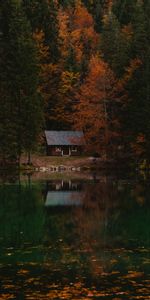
(61, 198)
(74, 138)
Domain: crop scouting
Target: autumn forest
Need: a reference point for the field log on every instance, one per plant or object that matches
(71, 64)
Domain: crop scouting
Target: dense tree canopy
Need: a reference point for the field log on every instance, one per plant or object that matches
(54, 58)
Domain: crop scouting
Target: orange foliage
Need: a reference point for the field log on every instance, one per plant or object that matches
(138, 146)
(64, 34)
(134, 65)
(38, 36)
(83, 35)
(127, 31)
(76, 31)
(81, 18)
(95, 110)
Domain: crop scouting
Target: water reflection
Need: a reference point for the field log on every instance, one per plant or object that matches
(63, 193)
(75, 239)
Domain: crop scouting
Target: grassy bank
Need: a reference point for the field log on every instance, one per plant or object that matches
(45, 163)
(40, 161)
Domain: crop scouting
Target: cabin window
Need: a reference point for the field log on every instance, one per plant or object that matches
(58, 149)
(74, 149)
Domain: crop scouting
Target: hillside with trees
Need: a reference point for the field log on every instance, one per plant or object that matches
(75, 64)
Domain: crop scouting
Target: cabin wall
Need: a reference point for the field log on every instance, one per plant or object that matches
(53, 151)
(64, 150)
(77, 152)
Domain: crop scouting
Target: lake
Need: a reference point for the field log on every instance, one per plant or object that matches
(86, 237)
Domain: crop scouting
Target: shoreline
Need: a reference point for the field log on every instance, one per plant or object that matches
(41, 163)
(70, 164)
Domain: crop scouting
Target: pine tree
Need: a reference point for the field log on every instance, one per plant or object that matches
(22, 105)
(43, 15)
(97, 9)
(138, 111)
(115, 44)
(123, 10)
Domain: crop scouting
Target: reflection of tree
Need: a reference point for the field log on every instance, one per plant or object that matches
(91, 221)
(98, 201)
(10, 177)
(21, 215)
(129, 224)
(79, 232)
(110, 217)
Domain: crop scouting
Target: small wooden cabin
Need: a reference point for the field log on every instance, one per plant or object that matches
(61, 143)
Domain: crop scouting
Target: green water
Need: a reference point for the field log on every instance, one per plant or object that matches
(75, 239)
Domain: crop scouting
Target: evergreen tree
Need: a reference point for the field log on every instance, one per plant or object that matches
(43, 15)
(96, 8)
(21, 104)
(115, 44)
(137, 118)
(66, 3)
(123, 9)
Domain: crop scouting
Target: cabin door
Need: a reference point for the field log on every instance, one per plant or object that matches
(65, 151)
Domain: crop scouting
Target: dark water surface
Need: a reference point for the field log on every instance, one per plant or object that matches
(75, 239)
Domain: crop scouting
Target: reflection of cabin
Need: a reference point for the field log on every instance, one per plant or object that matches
(63, 199)
(63, 185)
(63, 193)
(62, 143)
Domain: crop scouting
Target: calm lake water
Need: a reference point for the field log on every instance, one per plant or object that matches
(75, 238)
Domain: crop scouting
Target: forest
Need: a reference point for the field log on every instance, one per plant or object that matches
(72, 64)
